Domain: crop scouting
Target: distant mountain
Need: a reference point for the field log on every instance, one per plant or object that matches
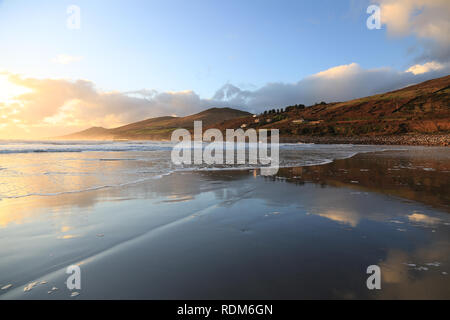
(157, 128)
(418, 109)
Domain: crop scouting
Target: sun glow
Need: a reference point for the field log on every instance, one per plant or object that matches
(9, 90)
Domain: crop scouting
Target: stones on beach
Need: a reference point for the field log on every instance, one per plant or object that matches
(53, 290)
(433, 264)
(31, 285)
(421, 269)
(192, 216)
(275, 213)
(416, 139)
(7, 287)
(396, 221)
(415, 267)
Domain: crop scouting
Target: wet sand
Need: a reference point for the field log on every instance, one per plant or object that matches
(309, 232)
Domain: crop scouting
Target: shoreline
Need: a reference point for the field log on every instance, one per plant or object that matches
(430, 140)
(349, 213)
(442, 140)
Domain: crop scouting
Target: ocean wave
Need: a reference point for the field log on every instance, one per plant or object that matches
(16, 147)
(25, 178)
(86, 149)
(94, 188)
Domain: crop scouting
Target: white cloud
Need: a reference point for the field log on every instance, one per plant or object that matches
(422, 218)
(79, 102)
(428, 20)
(426, 67)
(338, 83)
(66, 59)
(339, 71)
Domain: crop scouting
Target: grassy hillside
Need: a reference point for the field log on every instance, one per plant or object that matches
(419, 109)
(158, 128)
(415, 110)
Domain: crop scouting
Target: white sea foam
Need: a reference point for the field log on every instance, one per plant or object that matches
(47, 168)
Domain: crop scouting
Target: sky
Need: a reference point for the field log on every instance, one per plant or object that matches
(124, 61)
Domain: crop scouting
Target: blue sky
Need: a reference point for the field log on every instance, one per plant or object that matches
(134, 59)
(197, 44)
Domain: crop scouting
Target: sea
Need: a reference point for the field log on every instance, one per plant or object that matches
(49, 168)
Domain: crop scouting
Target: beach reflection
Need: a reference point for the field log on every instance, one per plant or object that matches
(323, 225)
(402, 174)
(416, 275)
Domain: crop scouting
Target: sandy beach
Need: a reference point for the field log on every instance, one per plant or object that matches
(309, 232)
